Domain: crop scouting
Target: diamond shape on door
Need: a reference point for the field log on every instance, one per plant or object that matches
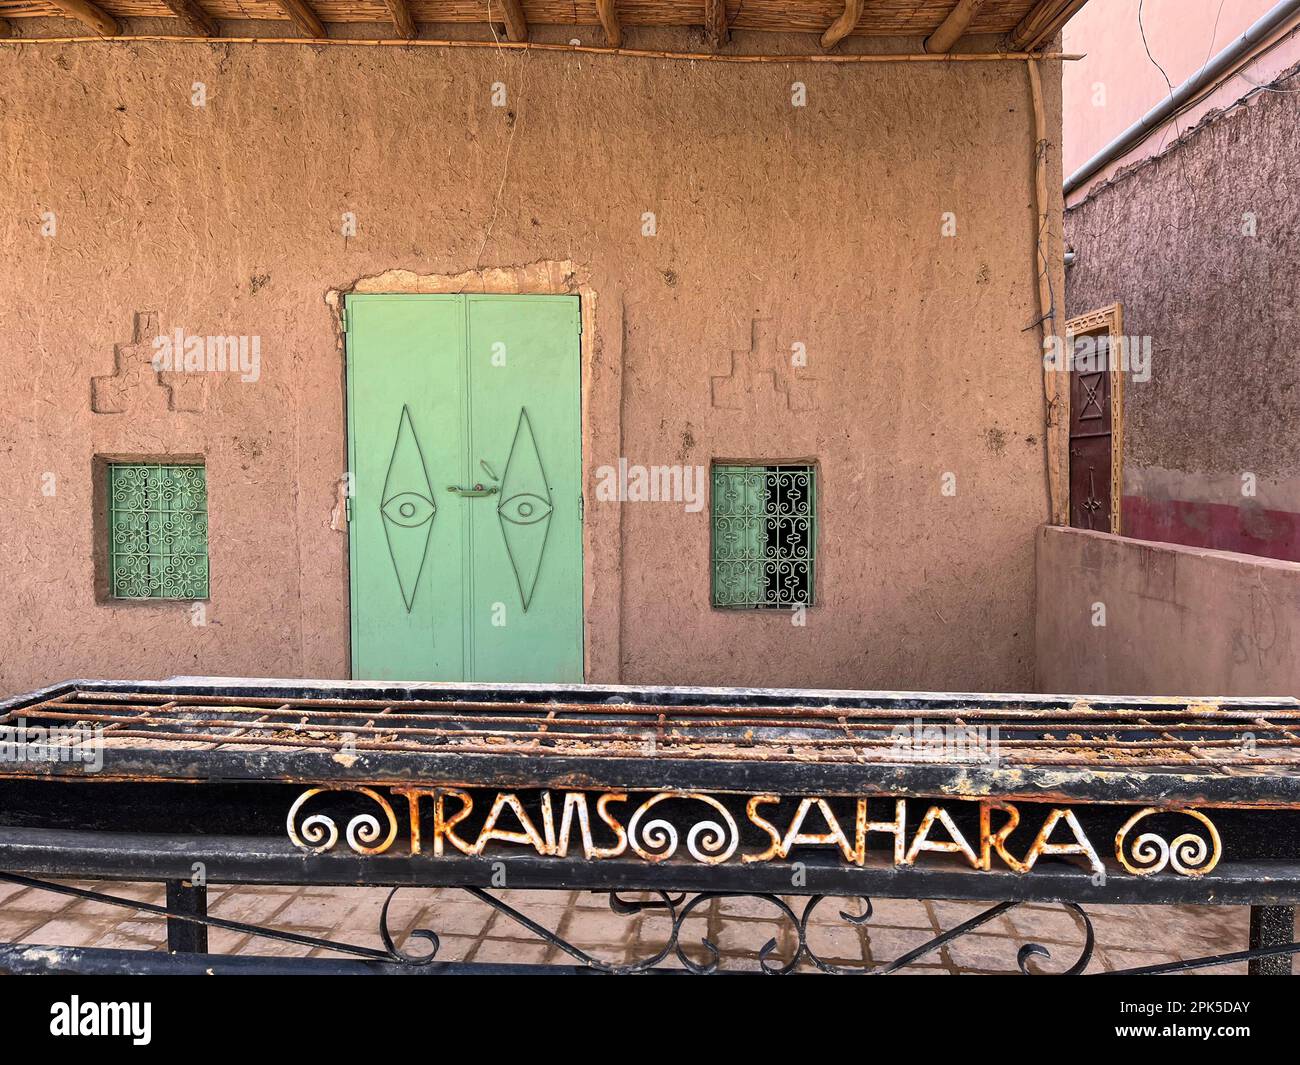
(525, 508)
(407, 508)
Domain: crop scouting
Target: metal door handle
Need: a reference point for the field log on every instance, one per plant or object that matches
(477, 490)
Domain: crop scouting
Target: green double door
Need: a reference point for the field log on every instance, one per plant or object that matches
(465, 529)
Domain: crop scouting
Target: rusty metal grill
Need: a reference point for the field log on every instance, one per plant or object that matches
(1224, 738)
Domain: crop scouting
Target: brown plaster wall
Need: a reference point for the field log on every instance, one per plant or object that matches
(777, 225)
(1168, 240)
(1178, 620)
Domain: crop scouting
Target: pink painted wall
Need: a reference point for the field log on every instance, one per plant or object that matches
(1117, 83)
(1224, 526)
(1178, 620)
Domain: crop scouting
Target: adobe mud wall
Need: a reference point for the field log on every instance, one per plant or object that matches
(1202, 248)
(775, 225)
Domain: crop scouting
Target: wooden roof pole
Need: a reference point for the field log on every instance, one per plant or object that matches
(516, 23)
(197, 22)
(403, 21)
(1042, 22)
(834, 58)
(303, 17)
(609, 19)
(844, 25)
(716, 31)
(1056, 395)
(85, 12)
(952, 28)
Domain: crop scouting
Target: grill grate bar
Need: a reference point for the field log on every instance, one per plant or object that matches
(1096, 734)
(423, 724)
(1046, 756)
(1082, 712)
(1194, 735)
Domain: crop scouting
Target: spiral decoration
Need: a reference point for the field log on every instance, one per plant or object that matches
(769, 960)
(320, 833)
(710, 842)
(405, 956)
(1189, 854)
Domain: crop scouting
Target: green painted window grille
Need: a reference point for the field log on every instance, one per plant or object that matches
(764, 536)
(158, 531)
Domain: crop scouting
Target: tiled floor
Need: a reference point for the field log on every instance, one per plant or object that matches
(470, 930)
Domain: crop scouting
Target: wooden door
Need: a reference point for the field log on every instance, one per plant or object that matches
(1091, 438)
(465, 531)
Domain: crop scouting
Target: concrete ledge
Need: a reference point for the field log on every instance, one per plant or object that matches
(1117, 616)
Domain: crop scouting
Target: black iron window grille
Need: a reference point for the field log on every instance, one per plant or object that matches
(764, 536)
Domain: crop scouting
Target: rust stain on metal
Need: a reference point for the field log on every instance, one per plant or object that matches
(1036, 750)
(705, 828)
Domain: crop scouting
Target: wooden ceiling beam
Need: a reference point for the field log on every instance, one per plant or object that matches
(609, 19)
(954, 26)
(1042, 23)
(843, 25)
(89, 14)
(516, 23)
(716, 31)
(403, 21)
(302, 16)
(197, 22)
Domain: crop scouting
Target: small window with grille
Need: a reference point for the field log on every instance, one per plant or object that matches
(157, 531)
(764, 536)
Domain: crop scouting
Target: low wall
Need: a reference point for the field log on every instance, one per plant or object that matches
(1133, 617)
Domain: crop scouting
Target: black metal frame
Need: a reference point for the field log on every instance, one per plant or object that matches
(1161, 784)
(1270, 952)
(50, 829)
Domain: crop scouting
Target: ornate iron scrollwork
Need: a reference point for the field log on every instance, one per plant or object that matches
(1150, 852)
(320, 832)
(678, 909)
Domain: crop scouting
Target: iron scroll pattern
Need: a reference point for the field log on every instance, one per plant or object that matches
(158, 521)
(704, 958)
(763, 536)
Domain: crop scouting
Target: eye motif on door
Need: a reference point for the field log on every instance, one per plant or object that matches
(525, 508)
(407, 508)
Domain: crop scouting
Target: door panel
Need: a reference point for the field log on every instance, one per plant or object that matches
(465, 528)
(1090, 483)
(1090, 441)
(406, 441)
(526, 565)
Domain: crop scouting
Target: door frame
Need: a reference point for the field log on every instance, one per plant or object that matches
(600, 415)
(1110, 319)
